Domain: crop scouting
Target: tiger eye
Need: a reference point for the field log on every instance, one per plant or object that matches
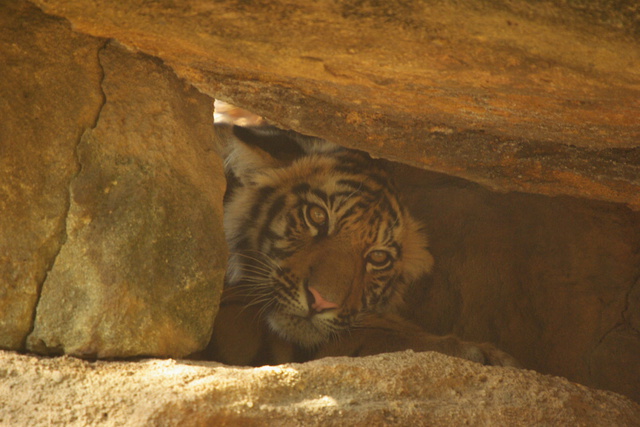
(379, 258)
(317, 216)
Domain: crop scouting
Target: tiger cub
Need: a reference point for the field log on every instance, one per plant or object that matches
(321, 254)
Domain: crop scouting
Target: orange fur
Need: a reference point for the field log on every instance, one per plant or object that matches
(357, 254)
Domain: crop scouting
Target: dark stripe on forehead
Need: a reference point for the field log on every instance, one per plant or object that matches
(301, 188)
(304, 188)
(388, 234)
(355, 185)
(367, 170)
(350, 169)
(321, 195)
(375, 219)
(346, 217)
(354, 160)
(381, 179)
(367, 182)
(384, 203)
(358, 206)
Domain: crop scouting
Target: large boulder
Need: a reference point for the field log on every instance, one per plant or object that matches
(113, 209)
(142, 267)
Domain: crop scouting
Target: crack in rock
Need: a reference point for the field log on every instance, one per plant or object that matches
(64, 218)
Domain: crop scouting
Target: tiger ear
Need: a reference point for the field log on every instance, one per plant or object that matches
(241, 155)
(313, 145)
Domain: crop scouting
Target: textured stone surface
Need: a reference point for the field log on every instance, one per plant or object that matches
(49, 94)
(392, 389)
(143, 263)
(516, 96)
(530, 96)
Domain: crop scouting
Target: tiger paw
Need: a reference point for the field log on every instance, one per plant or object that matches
(486, 354)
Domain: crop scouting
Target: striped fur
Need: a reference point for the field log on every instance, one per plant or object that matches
(321, 251)
(277, 252)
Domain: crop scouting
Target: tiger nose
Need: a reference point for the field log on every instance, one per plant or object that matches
(317, 303)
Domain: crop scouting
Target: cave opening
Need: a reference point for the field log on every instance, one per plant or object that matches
(538, 276)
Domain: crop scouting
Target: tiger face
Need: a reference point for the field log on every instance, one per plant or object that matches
(318, 241)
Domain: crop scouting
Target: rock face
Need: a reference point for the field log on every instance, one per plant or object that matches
(110, 195)
(130, 251)
(144, 219)
(409, 389)
(518, 95)
(49, 94)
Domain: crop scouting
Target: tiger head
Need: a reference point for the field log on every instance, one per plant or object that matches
(318, 239)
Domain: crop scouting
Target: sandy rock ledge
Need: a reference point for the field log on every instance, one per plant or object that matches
(404, 388)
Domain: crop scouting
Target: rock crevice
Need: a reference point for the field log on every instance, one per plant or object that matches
(64, 218)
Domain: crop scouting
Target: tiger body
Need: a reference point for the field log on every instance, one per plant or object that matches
(321, 254)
